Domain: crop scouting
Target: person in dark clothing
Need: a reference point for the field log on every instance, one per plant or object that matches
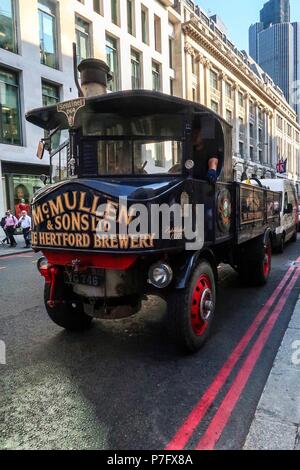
(208, 147)
(2, 223)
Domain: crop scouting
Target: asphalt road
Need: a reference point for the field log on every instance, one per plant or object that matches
(123, 385)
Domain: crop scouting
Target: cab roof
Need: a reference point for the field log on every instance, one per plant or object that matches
(131, 103)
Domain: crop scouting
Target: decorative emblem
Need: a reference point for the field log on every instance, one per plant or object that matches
(70, 109)
(224, 210)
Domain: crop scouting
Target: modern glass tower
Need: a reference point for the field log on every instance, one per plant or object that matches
(274, 45)
(275, 11)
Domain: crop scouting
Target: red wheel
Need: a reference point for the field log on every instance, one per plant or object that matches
(202, 305)
(267, 260)
(191, 310)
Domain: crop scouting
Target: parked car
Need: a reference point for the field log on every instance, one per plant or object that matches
(289, 212)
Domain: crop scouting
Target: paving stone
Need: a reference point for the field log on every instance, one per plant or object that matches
(269, 434)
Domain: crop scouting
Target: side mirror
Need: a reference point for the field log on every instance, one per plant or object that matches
(40, 150)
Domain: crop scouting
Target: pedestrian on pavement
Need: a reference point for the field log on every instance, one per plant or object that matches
(25, 224)
(2, 223)
(11, 223)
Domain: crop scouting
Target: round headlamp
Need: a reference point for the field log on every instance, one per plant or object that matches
(160, 275)
(42, 264)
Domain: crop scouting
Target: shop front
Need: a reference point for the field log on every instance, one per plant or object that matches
(19, 184)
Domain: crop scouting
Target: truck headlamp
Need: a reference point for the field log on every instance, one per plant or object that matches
(42, 264)
(160, 275)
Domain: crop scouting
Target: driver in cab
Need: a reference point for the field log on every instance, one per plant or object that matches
(208, 149)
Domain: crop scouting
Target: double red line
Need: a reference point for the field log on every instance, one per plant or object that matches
(224, 412)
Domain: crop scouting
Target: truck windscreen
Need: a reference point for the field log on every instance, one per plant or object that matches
(116, 125)
(139, 157)
(135, 145)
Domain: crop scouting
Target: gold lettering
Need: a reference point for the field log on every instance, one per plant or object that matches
(69, 206)
(56, 207)
(85, 223)
(37, 216)
(57, 223)
(124, 242)
(66, 222)
(95, 205)
(76, 222)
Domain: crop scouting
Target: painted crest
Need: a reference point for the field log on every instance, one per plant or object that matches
(70, 109)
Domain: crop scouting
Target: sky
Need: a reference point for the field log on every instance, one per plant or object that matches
(238, 15)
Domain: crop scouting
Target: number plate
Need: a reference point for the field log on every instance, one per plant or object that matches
(84, 278)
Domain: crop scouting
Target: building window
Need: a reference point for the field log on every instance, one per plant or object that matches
(228, 90)
(145, 28)
(157, 33)
(229, 116)
(171, 53)
(82, 30)
(241, 149)
(251, 130)
(241, 128)
(136, 71)
(214, 106)
(193, 64)
(130, 17)
(156, 76)
(171, 87)
(8, 36)
(213, 80)
(48, 33)
(10, 126)
(115, 12)
(251, 153)
(98, 6)
(51, 93)
(113, 62)
(241, 100)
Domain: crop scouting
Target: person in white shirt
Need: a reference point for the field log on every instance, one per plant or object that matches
(25, 224)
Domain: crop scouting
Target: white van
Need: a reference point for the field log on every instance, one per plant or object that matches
(289, 218)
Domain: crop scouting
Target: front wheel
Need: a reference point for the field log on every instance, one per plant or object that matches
(68, 314)
(192, 310)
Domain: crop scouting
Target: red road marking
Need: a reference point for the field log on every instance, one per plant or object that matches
(220, 419)
(185, 432)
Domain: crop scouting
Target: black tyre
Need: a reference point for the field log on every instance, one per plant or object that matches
(280, 247)
(68, 315)
(192, 310)
(255, 262)
(295, 236)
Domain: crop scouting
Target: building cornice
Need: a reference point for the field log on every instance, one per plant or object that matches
(206, 39)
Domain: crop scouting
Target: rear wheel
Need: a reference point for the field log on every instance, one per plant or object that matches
(192, 310)
(69, 314)
(255, 262)
(295, 235)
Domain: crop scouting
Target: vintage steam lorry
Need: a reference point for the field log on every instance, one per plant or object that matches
(131, 157)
